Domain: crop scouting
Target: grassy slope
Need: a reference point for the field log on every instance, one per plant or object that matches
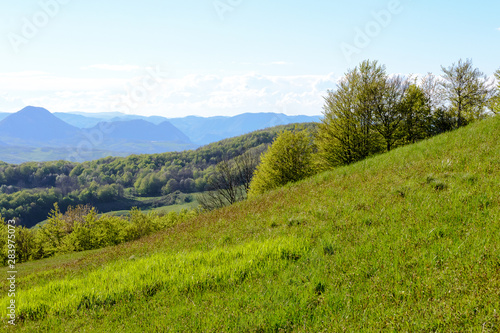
(408, 240)
(160, 210)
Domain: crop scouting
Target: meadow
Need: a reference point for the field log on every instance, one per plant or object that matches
(403, 241)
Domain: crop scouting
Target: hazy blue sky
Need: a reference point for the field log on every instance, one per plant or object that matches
(206, 57)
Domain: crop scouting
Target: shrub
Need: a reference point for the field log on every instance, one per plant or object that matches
(289, 159)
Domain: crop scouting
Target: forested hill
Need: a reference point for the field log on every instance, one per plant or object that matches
(28, 191)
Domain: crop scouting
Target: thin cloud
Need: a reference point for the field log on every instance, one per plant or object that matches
(203, 95)
(281, 63)
(36, 81)
(116, 68)
(23, 74)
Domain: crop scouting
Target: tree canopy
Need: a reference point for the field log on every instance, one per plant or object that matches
(372, 112)
(467, 91)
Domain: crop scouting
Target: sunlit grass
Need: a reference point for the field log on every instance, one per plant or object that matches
(126, 279)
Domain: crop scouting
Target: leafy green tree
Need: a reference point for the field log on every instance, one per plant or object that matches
(171, 186)
(53, 232)
(289, 159)
(371, 78)
(388, 111)
(416, 112)
(442, 121)
(92, 232)
(27, 247)
(467, 91)
(346, 133)
(148, 185)
(140, 225)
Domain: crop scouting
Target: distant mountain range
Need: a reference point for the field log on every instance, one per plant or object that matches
(200, 130)
(86, 120)
(35, 134)
(140, 130)
(203, 131)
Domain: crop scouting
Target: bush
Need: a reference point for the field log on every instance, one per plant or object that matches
(26, 245)
(289, 159)
(81, 229)
(96, 232)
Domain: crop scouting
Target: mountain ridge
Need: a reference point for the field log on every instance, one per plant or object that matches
(39, 135)
(34, 126)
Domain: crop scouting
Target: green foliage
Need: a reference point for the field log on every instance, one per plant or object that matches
(346, 133)
(148, 185)
(3, 241)
(388, 96)
(81, 229)
(289, 159)
(370, 112)
(467, 91)
(26, 245)
(416, 112)
(96, 232)
(53, 232)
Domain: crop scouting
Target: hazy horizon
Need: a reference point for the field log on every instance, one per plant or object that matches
(90, 113)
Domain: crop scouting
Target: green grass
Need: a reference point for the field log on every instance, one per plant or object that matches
(405, 241)
(160, 210)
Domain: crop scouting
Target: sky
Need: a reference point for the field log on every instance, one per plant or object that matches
(175, 58)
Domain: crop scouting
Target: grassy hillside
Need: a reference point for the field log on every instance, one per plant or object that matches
(407, 241)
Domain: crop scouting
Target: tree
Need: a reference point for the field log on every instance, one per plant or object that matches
(346, 133)
(467, 91)
(171, 186)
(416, 112)
(148, 185)
(224, 187)
(369, 93)
(245, 165)
(52, 233)
(495, 100)
(230, 182)
(388, 108)
(289, 159)
(26, 244)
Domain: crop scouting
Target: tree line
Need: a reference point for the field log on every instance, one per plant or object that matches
(371, 112)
